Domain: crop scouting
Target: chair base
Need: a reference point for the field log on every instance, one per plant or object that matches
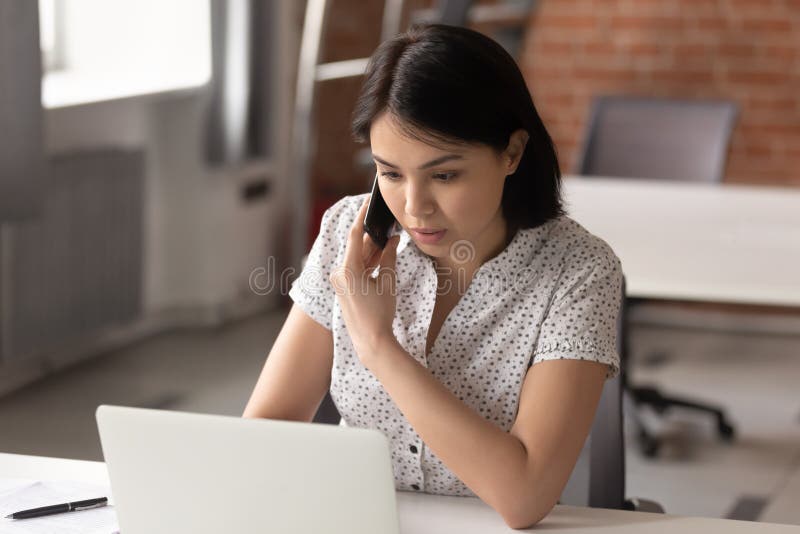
(634, 504)
(648, 443)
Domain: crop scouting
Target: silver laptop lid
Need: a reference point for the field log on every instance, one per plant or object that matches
(175, 472)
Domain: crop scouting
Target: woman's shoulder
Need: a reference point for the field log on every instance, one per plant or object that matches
(346, 207)
(575, 245)
(338, 218)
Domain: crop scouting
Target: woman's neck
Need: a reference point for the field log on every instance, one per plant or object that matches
(458, 275)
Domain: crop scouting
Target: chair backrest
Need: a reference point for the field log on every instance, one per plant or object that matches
(670, 139)
(598, 479)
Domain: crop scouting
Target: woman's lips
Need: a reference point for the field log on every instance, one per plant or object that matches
(428, 238)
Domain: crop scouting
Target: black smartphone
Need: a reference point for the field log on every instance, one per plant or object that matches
(379, 220)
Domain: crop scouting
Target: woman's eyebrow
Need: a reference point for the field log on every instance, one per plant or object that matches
(431, 163)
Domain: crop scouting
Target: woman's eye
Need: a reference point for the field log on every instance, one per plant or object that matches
(440, 176)
(445, 176)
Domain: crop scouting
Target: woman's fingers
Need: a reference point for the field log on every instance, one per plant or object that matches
(354, 250)
(371, 253)
(388, 256)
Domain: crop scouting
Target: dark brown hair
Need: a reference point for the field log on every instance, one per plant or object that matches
(454, 85)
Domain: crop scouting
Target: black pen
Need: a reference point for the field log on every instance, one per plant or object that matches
(60, 508)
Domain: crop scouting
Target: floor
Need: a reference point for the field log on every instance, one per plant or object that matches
(755, 378)
(757, 477)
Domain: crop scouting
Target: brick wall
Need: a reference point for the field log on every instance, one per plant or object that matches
(743, 50)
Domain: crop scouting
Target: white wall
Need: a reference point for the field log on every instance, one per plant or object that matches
(204, 241)
(201, 240)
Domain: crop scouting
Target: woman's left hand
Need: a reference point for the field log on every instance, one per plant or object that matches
(368, 304)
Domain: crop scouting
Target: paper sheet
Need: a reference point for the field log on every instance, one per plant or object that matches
(20, 494)
(8, 485)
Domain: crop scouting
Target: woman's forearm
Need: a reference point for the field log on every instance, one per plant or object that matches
(491, 462)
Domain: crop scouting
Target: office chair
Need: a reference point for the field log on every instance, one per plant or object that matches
(656, 138)
(668, 139)
(598, 479)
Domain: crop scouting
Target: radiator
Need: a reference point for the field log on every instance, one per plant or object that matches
(77, 269)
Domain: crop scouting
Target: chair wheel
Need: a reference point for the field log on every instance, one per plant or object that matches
(651, 449)
(726, 431)
(649, 445)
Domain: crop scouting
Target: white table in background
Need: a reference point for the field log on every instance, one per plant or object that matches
(431, 514)
(695, 241)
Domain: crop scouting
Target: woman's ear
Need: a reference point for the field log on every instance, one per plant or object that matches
(516, 147)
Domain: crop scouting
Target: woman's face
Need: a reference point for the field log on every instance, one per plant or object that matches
(453, 189)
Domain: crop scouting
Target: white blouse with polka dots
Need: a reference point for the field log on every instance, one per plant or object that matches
(552, 293)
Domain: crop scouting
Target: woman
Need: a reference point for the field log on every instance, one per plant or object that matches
(481, 347)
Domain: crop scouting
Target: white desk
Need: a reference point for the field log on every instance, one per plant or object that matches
(694, 241)
(430, 514)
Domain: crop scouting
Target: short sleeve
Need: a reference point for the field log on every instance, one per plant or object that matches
(581, 322)
(312, 290)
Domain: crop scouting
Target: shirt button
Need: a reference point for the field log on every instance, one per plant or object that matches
(413, 449)
(414, 486)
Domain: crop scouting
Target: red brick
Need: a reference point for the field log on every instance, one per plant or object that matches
(604, 74)
(682, 76)
(552, 73)
(747, 4)
(785, 105)
(783, 52)
(786, 130)
(554, 47)
(556, 100)
(695, 4)
(691, 49)
(758, 130)
(793, 149)
(568, 22)
(599, 48)
(712, 23)
(556, 35)
(759, 77)
(641, 48)
(736, 49)
(767, 25)
(760, 150)
(646, 23)
(572, 7)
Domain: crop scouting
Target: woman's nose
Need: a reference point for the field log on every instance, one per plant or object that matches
(419, 203)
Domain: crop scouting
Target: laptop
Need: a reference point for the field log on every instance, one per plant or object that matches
(174, 472)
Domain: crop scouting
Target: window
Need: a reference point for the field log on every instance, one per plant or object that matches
(49, 34)
(97, 50)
